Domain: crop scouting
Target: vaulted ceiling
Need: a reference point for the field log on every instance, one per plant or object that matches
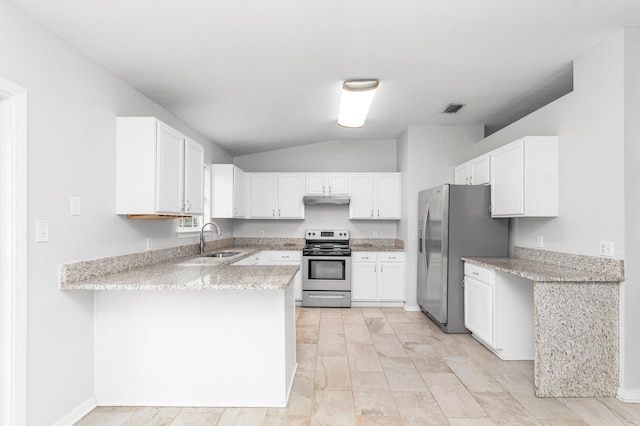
(257, 75)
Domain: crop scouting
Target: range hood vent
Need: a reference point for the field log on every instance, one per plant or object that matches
(326, 199)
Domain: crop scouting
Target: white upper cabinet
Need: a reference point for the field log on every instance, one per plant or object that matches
(326, 184)
(524, 178)
(474, 172)
(375, 196)
(276, 195)
(227, 191)
(158, 170)
(290, 193)
(193, 177)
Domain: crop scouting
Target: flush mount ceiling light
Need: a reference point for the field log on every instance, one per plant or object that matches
(355, 102)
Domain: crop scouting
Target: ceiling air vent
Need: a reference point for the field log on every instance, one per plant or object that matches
(452, 108)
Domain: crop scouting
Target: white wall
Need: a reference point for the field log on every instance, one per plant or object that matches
(374, 155)
(589, 124)
(630, 350)
(73, 103)
(599, 167)
(377, 155)
(426, 158)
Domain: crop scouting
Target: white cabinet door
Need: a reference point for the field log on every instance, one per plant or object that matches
(227, 191)
(391, 281)
(169, 170)
(364, 284)
(193, 177)
(478, 309)
(387, 198)
(238, 192)
(338, 184)
(290, 193)
(507, 188)
(479, 170)
(461, 174)
(316, 184)
(264, 192)
(361, 205)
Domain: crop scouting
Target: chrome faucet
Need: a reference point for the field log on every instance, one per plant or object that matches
(218, 232)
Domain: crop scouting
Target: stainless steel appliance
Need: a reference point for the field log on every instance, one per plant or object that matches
(454, 221)
(326, 268)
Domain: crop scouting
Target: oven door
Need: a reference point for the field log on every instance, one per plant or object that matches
(326, 273)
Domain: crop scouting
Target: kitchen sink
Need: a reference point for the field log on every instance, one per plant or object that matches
(223, 254)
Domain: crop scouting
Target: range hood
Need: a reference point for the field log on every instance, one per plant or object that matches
(326, 199)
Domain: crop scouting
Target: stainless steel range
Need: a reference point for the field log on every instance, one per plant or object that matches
(326, 268)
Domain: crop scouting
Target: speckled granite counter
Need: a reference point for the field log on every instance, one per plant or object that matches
(376, 244)
(576, 311)
(178, 269)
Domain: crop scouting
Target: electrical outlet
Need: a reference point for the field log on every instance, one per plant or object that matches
(262, 233)
(149, 243)
(375, 234)
(606, 248)
(540, 241)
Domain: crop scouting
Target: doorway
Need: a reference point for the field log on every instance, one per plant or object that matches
(13, 253)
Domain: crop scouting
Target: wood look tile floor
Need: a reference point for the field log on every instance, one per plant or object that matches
(386, 366)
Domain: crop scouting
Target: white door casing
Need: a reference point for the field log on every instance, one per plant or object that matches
(13, 253)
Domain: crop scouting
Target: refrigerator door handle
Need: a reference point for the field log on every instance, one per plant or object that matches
(424, 237)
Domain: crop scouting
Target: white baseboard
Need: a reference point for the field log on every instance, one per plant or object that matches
(629, 395)
(411, 308)
(77, 413)
(376, 304)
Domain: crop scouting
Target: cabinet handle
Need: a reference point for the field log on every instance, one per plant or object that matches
(381, 268)
(323, 191)
(378, 213)
(375, 268)
(273, 212)
(462, 283)
(329, 189)
(371, 213)
(279, 213)
(188, 205)
(475, 273)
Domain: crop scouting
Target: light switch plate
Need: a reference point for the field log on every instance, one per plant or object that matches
(42, 231)
(76, 206)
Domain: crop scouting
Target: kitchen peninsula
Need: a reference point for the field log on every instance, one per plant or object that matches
(190, 331)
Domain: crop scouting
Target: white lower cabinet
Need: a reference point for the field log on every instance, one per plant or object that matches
(498, 310)
(289, 258)
(377, 277)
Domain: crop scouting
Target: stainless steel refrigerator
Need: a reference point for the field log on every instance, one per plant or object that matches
(454, 221)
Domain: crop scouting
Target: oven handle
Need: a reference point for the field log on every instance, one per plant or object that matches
(312, 296)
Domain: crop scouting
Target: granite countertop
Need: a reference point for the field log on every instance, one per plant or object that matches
(376, 244)
(189, 273)
(540, 271)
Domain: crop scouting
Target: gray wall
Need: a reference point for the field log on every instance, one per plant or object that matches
(72, 106)
(426, 158)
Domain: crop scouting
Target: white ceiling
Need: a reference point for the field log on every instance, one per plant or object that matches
(256, 75)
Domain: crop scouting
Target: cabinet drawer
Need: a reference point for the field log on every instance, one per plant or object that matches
(391, 256)
(284, 256)
(478, 273)
(365, 256)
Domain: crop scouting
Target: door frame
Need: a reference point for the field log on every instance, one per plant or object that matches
(13, 259)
